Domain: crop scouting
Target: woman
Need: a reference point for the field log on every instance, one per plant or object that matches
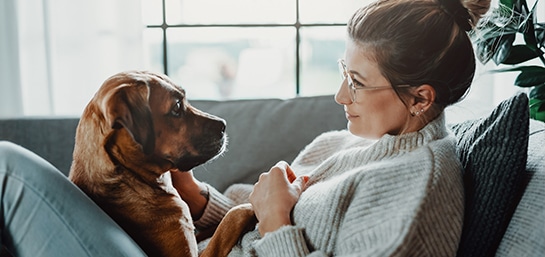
(389, 185)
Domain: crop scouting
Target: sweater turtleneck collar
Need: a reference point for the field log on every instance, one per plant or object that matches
(354, 151)
(435, 129)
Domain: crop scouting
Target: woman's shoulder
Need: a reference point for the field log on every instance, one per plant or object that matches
(444, 148)
(334, 134)
(327, 144)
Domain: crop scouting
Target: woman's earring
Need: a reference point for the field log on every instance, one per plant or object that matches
(418, 112)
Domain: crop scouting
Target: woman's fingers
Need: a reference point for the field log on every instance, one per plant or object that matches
(286, 169)
(300, 183)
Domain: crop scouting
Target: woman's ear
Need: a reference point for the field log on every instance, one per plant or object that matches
(424, 99)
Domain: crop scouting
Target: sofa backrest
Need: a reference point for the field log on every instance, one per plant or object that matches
(50, 138)
(525, 235)
(261, 133)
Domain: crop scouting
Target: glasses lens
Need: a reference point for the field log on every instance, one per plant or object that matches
(342, 69)
(349, 82)
(353, 93)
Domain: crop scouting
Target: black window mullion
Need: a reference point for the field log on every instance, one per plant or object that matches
(297, 50)
(297, 25)
(164, 27)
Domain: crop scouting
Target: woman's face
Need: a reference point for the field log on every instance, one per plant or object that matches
(374, 112)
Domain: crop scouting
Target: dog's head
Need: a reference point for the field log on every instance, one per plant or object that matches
(147, 118)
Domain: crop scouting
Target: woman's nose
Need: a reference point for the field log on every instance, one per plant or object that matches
(342, 96)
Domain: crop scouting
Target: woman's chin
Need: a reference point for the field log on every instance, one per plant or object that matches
(362, 132)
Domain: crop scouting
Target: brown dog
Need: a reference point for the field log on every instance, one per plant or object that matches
(137, 127)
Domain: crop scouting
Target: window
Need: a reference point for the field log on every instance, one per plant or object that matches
(61, 51)
(56, 54)
(261, 49)
(247, 48)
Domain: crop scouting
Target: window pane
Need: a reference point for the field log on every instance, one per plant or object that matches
(327, 11)
(232, 11)
(92, 44)
(153, 49)
(152, 12)
(224, 63)
(321, 47)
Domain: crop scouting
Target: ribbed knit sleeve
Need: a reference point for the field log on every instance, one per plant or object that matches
(286, 241)
(217, 206)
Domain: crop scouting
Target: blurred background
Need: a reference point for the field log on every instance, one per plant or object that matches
(54, 54)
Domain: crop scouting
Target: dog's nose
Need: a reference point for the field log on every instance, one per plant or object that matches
(223, 125)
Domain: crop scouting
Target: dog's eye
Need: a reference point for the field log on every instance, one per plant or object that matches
(177, 109)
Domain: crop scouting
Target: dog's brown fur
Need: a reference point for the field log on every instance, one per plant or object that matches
(137, 127)
(239, 220)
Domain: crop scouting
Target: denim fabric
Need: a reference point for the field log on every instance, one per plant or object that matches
(44, 214)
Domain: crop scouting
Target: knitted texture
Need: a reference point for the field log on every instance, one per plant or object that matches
(493, 152)
(398, 196)
(525, 235)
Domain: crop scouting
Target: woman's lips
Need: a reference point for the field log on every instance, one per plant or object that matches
(350, 116)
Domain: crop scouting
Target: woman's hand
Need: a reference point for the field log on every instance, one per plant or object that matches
(192, 191)
(274, 196)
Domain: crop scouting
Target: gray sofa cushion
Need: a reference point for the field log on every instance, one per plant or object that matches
(263, 132)
(51, 138)
(525, 235)
(493, 152)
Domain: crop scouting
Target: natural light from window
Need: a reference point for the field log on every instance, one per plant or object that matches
(216, 49)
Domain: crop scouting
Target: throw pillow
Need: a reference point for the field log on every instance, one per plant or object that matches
(493, 152)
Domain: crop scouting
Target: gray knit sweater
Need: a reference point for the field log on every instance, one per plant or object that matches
(396, 196)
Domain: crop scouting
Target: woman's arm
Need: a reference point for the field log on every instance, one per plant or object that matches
(207, 205)
(192, 191)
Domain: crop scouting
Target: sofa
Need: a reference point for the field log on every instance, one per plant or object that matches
(502, 154)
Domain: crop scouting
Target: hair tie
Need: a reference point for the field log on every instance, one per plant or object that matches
(460, 14)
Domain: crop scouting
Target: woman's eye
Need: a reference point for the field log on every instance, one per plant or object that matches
(358, 84)
(177, 109)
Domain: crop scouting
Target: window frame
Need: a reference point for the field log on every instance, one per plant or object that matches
(297, 25)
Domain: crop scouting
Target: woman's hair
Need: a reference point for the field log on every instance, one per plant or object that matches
(419, 42)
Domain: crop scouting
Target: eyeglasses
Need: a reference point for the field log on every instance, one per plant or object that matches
(345, 75)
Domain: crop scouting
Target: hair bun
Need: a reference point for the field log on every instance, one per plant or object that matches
(460, 14)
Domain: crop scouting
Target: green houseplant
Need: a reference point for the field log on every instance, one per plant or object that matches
(498, 39)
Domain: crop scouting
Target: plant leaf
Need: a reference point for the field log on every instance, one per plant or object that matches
(537, 103)
(540, 34)
(537, 109)
(503, 48)
(520, 54)
(531, 68)
(537, 92)
(507, 3)
(530, 34)
(530, 78)
(486, 49)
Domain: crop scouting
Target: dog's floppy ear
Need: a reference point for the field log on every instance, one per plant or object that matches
(127, 107)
